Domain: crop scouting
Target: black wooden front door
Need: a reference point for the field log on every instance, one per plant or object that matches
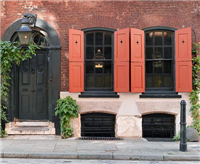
(33, 75)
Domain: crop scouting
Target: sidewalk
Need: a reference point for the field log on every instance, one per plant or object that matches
(129, 149)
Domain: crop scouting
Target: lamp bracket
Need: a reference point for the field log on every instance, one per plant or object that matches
(32, 18)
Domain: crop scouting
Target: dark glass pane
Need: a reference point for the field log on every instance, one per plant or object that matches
(168, 52)
(149, 38)
(107, 52)
(158, 67)
(167, 38)
(149, 67)
(107, 67)
(98, 81)
(99, 38)
(90, 39)
(89, 81)
(158, 81)
(167, 67)
(149, 81)
(89, 52)
(149, 53)
(99, 52)
(89, 67)
(107, 39)
(158, 53)
(168, 81)
(107, 80)
(158, 38)
(98, 70)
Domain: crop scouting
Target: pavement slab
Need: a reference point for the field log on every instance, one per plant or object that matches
(127, 149)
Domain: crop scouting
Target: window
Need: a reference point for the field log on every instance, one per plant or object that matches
(158, 125)
(159, 59)
(98, 61)
(98, 125)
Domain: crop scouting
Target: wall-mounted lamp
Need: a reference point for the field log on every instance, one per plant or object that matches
(24, 32)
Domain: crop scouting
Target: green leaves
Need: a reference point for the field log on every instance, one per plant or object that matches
(11, 53)
(66, 108)
(194, 95)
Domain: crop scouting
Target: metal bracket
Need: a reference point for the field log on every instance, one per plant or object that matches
(32, 18)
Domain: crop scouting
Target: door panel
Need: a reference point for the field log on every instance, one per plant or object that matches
(33, 77)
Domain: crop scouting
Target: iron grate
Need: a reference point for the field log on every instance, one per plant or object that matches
(160, 139)
(99, 138)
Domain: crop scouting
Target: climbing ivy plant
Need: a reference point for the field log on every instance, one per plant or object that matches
(11, 53)
(194, 95)
(66, 108)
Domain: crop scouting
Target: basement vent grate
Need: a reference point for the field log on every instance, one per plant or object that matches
(99, 138)
(160, 139)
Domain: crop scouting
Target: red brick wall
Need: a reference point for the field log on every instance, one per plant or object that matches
(63, 15)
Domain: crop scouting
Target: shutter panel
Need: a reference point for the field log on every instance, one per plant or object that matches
(76, 77)
(137, 45)
(76, 45)
(137, 77)
(121, 61)
(76, 58)
(183, 44)
(121, 77)
(137, 61)
(183, 76)
(183, 61)
(122, 45)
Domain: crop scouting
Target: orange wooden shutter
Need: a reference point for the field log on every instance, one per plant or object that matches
(137, 61)
(183, 56)
(121, 61)
(76, 59)
(122, 45)
(137, 77)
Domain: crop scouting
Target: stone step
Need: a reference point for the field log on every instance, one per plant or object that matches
(32, 128)
(32, 124)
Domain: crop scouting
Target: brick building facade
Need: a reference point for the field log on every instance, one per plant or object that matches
(64, 15)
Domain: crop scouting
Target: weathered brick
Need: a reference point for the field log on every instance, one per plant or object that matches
(63, 15)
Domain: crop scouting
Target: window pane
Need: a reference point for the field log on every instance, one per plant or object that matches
(107, 80)
(107, 39)
(107, 52)
(89, 53)
(99, 38)
(167, 38)
(98, 81)
(149, 67)
(168, 52)
(168, 81)
(90, 39)
(89, 67)
(89, 81)
(158, 53)
(107, 67)
(167, 67)
(158, 38)
(98, 70)
(157, 81)
(149, 53)
(149, 81)
(99, 51)
(157, 67)
(149, 38)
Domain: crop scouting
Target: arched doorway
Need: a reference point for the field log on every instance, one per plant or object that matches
(34, 92)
